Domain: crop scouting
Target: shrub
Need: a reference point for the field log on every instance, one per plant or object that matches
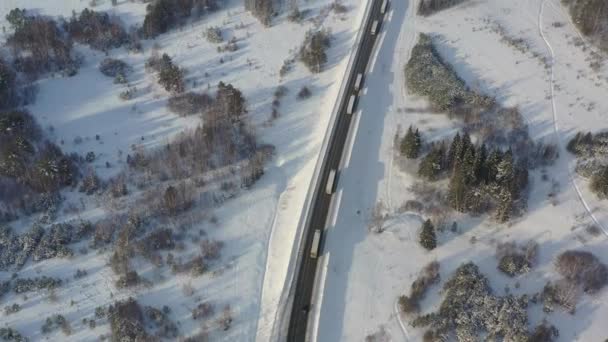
(10, 334)
(129, 279)
(304, 93)
(189, 103)
(514, 262)
(11, 309)
(98, 30)
(313, 50)
(8, 86)
(165, 328)
(22, 285)
(202, 310)
(428, 7)
(339, 8)
(170, 77)
(411, 144)
(563, 293)
(39, 45)
(582, 268)
(225, 319)
(163, 15)
(261, 9)
(213, 34)
(211, 249)
(177, 199)
(544, 332)
(295, 16)
(127, 321)
(428, 239)
(90, 183)
(55, 322)
(470, 311)
(114, 67)
(427, 277)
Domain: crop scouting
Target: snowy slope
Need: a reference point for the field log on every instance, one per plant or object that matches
(258, 226)
(365, 272)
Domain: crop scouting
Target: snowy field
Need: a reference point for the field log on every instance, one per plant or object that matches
(257, 226)
(557, 92)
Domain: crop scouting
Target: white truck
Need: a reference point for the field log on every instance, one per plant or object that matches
(375, 27)
(316, 240)
(351, 104)
(358, 81)
(331, 180)
(384, 6)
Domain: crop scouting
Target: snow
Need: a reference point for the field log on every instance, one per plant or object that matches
(257, 226)
(366, 272)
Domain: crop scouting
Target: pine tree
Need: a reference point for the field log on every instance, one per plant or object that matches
(411, 144)
(428, 239)
(455, 146)
(505, 206)
(481, 171)
(432, 164)
(599, 182)
(468, 166)
(492, 165)
(458, 191)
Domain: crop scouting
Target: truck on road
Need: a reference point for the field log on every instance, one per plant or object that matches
(316, 240)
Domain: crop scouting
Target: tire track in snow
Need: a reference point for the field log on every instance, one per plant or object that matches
(555, 119)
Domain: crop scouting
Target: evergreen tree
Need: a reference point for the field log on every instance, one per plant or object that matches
(505, 206)
(454, 147)
(599, 182)
(468, 166)
(411, 143)
(481, 171)
(458, 191)
(492, 165)
(432, 164)
(428, 239)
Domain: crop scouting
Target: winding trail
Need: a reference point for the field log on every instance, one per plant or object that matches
(571, 175)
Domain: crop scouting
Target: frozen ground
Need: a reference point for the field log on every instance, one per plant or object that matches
(258, 226)
(364, 273)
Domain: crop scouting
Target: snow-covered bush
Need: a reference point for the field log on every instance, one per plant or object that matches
(213, 34)
(202, 310)
(114, 67)
(469, 310)
(304, 93)
(313, 50)
(22, 285)
(56, 322)
(96, 29)
(170, 76)
(582, 268)
(428, 7)
(90, 183)
(427, 277)
(40, 45)
(162, 15)
(10, 334)
(129, 279)
(544, 332)
(189, 103)
(127, 321)
(165, 327)
(8, 86)
(514, 261)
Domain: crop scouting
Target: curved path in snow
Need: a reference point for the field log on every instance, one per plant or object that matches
(571, 175)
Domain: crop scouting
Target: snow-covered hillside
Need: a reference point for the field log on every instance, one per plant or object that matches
(550, 80)
(257, 226)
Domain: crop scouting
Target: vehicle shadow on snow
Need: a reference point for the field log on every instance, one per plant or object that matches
(359, 183)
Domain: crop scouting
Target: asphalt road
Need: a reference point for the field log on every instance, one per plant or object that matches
(321, 200)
